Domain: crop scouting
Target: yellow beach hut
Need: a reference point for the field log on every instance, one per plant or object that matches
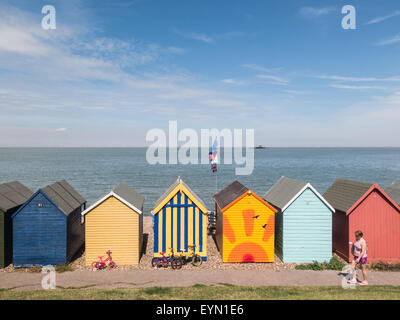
(245, 225)
(115, 222)
(180, 221)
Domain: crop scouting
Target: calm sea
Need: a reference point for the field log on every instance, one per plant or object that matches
(94, 171)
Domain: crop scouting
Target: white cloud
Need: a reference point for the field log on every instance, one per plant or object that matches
(99, 78)
(260, 68)
(61, 129)
(232, 81)
(352, 87)
(347, 126)
(358, 79)
(392, 99)
(392, 40)
(274, 79)
(195, 36)
(104, 89)
(125, 4)
(19, 41)
(199, 36)
(208, 38)
(315, 12)
(383, 18)
(297, 91)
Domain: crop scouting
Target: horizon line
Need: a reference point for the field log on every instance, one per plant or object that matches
(142, 147)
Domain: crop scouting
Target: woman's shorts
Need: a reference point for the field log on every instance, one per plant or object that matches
(362, 260)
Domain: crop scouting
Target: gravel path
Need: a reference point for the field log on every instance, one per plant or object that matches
(211, 272)
(148, 278)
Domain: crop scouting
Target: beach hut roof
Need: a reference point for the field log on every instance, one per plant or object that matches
(283, 193)
(123, 193)
(394, 191)
(13, 194)
(170, 192)
(233, 192)
(64, 196)
(229, 194)
(343, 194)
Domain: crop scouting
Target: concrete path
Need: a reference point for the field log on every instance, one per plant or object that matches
(148, 278)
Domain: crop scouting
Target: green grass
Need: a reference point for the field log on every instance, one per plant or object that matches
(157, 291)
(202, 292)
(384, 266)
(64, 268)
(334, 264)
(74, 288)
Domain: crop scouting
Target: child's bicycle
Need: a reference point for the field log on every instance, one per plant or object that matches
(158, 262)
(103, 264)
(182, 257)
(166, 261)
(176, 262)
(194, 257)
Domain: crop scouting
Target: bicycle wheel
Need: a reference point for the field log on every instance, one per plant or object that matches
(112, 265)
(165, 262)
(154, 262)
(95, 266)
(176, 263)
(160, 263)
(183, 260)
(196, 260)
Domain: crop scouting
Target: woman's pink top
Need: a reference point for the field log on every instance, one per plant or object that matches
(358, 248)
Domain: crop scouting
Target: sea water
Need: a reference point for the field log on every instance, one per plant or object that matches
(94, 171)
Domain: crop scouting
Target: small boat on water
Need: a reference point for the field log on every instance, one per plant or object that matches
(260, 147)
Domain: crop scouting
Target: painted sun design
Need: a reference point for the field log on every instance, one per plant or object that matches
(249, 236)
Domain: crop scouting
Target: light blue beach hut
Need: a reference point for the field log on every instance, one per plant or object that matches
(303, 224)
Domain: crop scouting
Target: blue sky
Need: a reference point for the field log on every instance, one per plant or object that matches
(112, 70)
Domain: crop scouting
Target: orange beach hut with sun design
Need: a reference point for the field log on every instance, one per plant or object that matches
(245, 225)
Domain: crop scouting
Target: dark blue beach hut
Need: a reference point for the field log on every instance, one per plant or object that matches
(47, 229)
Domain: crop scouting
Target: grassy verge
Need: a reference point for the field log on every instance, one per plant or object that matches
(201, 292)
(384, 266)
(337, 264)
(334, 264)
(64, 268)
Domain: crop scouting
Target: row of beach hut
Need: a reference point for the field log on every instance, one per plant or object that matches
(292, 220)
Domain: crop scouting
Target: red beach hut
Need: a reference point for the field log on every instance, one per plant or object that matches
(366, 207)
